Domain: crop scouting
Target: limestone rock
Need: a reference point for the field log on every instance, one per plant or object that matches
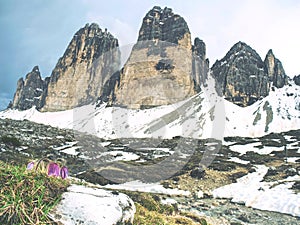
(275, 71)
(92, 206)
(161, 67)
(199, 48)
(78, 77)
(240, 75)
(29, 91)
(200, 63)
(243, 78)
(164, 25)
(297, 80)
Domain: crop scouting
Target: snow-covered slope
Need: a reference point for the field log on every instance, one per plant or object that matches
(278, 112)
(204, 115)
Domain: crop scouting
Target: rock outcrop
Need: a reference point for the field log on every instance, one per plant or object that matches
(29, 91)
(297, 80)
(243, 78)
(86, 205)
(240, 75)
(275, 71)
(164, 25)
(161, 67)
(78, 77)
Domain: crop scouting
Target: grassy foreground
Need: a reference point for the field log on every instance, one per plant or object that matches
(26, 197)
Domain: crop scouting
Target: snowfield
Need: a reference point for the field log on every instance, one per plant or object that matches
(253, 192)
(204, 115)
(147, 187)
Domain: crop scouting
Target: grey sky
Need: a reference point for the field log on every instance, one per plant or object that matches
(37, 32)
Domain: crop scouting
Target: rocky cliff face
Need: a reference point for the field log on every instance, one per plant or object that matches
(164, 67)
(29, 91)
(243, 78)
(78, 77)
(275, 71)
(160, 69)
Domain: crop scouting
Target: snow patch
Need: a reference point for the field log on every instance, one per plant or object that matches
(80, 203)
(147, 187)
(237, 160)
(251, 191)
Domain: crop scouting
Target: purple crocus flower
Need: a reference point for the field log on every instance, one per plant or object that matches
(53, 169)
(30, 166)
(64, 172)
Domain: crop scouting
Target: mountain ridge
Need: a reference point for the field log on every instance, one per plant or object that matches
(78, 79)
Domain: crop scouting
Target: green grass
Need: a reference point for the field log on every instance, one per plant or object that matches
(26, 197)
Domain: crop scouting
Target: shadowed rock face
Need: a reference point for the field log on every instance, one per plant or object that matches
(78, 78)
(243, 78)
(297, 80)
(275, 71)
(163, 67)
(164, 25)
(29, 91)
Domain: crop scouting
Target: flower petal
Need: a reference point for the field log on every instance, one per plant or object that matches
(30, 166)
(64, 173)
(53, 169)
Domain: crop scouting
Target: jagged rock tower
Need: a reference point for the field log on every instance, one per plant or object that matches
(29, 91)
(163, 67)
(78, 77)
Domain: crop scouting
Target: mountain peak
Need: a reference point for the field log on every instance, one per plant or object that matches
(240, 75)
(274, 70)
(242, 47)
(243, 77)
(270, 52)
(160, 68)
(29, 91)
(35, 69)
(164, 25)
(78, 76)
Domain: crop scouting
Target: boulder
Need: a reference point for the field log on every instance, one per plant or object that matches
(93, 206)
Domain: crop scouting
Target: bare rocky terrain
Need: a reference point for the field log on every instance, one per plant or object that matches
(87, 157)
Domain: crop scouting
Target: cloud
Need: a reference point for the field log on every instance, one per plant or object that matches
(263, 25)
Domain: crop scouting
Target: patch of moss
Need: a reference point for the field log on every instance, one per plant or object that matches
(257, 118)
(268, 108)
(10, 140)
